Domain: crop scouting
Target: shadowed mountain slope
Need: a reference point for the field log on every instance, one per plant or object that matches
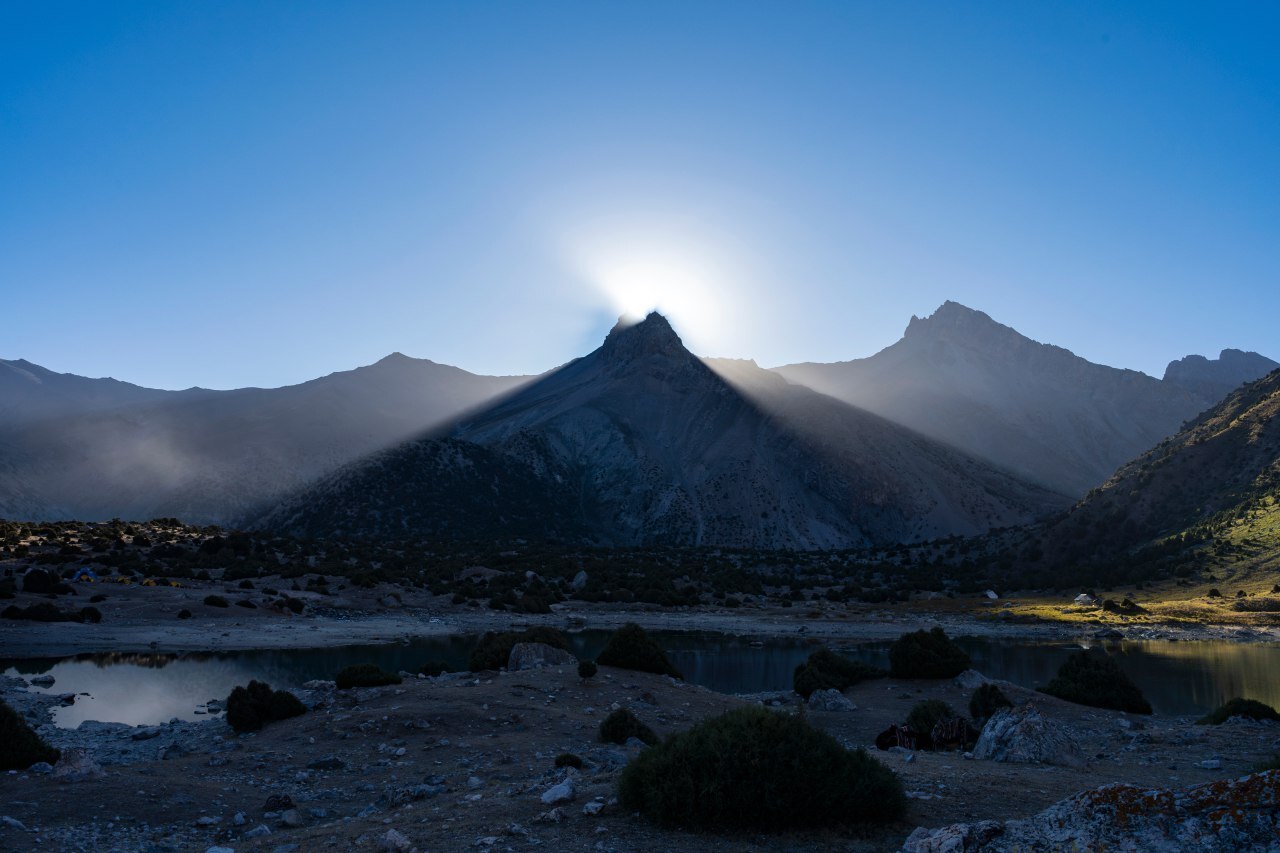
(1211, 380)
(644, 443)
(1034, 409)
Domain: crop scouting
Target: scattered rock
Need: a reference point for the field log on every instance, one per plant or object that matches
(328, 762)
(534, 655)
(971, 679)
(258, 831)
(291, 819)
(555, 815)
(1210, 764)
(593, 808)
(579, 581)
(45, 680)
(1109, 634)
(145, 734)
(208, 820)
(13, 823)
(76, 765)
(830, 700)
(239, 819)
(393, 840)
(562, 793)
(1023, 735)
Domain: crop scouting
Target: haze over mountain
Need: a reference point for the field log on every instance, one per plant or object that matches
(641, 442)
(1037, 410)
(98, 448)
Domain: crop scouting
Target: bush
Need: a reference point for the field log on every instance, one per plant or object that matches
(365, 675)
(568, 759)
(926, 654)
(43, 582)
(89, 615)
(986, 700)
(184, 613)
(623, 724)
(826, 670)
(927, 714)
(216, 601)
(1238, 707)
(587, 669)
(751, 769)
(20, 747)
(252, 707)
(433, 668)
(1096, 680)
(631, 647)
(494, 649)
(247, 604)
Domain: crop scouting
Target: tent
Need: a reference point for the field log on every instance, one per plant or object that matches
(85, 575)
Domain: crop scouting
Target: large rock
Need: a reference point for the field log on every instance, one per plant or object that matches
(971, 679)
(535, 655)
(830, 700)
(1025, 736)
(76, 765)
(1216, 817)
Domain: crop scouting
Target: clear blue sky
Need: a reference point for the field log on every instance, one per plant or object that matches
(225, 194)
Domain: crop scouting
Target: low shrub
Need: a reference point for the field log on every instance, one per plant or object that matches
(1250, 708)
(1094, 679)
(926, 714)
(433, 668)
(184, 613)
(252, 707)
(587, 669)
(926, 654)
(826, 670)
(364, 675)
(89, 615)
(631, 647)
(494, 649)
(247, 604)
(568, 759)
(97, 599)
(43, 611)
(622, 724)
(44, 582)
(986, 700)
(751, 769)
(20, 747)
(216, 601)
(1257, 605)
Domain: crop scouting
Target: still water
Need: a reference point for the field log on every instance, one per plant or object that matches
(140, 689)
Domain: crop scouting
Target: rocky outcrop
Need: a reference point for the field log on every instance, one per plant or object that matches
(1213, 379)
(1023, 735)
(830, 700)
(535, 655)
(1226, 815)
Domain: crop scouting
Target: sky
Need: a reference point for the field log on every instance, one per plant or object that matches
(227, 194)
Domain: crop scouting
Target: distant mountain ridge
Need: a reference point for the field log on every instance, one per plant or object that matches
(1213, 379)
(642, 443)
(1034, 409)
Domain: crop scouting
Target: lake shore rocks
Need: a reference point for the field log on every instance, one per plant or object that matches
(535, 655)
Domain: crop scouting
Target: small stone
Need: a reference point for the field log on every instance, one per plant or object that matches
(562, 793)
(393, 840)
(318, 813)
(475, 782)
(1210, 764)
(553, 816)
(830, 700)
(45, 680)
(291, 819)
(593, 808)
(239, 819)
(258, 831)
(208, 820)
(13, 823)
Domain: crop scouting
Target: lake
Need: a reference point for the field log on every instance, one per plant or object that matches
(141, 689)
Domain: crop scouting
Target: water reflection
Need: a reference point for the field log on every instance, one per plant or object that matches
(1178, 678)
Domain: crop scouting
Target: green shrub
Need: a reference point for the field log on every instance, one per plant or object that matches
(752, 769)
(568, 759)
(1096, 680)
(494, 649)
(1238, 707)
(587, 669)
(433, 668)
(216, 601)
(623, 724)
(986, 700)
(20, 747)
(926, 654)
(826, 670)
(631, 647)
(364, 675)
(252, 707)
(928, 713)
(1272, 763)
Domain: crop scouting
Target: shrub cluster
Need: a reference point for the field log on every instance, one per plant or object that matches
(20, 747)
(751, 769)
(216, 601)
(928, 713)
(494, 649)
(926, 654)
(250, 708)
(587, 669)
(568, 759)
(45, 612)
(433, 668)
(364, 675)
(826, 670)
(622, 724)
(1238, 707)
(1096, 680)
(45, 582)
(631, 647)
(986, 700)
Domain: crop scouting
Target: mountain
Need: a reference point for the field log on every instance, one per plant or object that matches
(1210, 380)
(116, 450)
(1207, 496)
(642, 443)
(1037, 410)
(29, 392)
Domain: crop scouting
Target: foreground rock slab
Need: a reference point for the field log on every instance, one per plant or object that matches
(1023, 735)
(1226, 815)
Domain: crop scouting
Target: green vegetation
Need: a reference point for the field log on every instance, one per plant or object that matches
(364, 675)
(826, 670)
(1238, 707)
(631, 647)
(928, 713)
(587, 669)
(751, 769)
(20, 747)
(494, 649)
(1096, 680)
(622, 724)
(986, 700)
(926, 654)
(250, 708)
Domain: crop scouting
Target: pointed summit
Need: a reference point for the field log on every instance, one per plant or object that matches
(953, 320)
(652, 336)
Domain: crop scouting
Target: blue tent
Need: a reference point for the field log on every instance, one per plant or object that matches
(85, 574)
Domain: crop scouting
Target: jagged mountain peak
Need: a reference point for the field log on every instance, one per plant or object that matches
(953, 320)
(652, 336)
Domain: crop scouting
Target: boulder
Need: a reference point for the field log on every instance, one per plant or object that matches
(562, 793)
(76, 765)
(1023, 735)
(1215, 817)
(579, 581)
(971, 679)
(535, 655)
(830, 700)
(43, 680)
